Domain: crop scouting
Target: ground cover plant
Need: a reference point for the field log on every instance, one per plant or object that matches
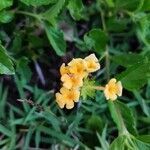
(75, 74)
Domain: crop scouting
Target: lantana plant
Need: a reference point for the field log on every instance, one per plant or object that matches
(75, 82)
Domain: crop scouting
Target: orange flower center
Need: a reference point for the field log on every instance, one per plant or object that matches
(70, 96)
(112, 89)
(91, 65)
(79, 69)
(73, 79)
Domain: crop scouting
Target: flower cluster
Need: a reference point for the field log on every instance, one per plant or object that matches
(72, 77)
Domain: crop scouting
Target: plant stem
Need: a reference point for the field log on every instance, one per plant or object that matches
(117, 117)
(28, 14)
(107, 64)
(103, 21)
(101, 88)
(107, 61)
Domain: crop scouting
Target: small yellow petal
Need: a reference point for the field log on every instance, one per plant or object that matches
(92, 57)
(67, 83)
(112, 89)
(59, 100)
(92, 63)
(78, 67)
(69, 104)
(106, 92)
(63, 90)
(76, 95)
(112, 81)
(119, 85)
(112, 96)
(71, 81)
(64, 69)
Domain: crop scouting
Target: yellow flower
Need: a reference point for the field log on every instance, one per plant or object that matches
(71, 81)
(67, 97)
(78, 67)
(72, 76)
(64, 69)
(112, 89)
(92, 63)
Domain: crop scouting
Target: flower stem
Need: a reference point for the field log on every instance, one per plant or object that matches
(100, 88)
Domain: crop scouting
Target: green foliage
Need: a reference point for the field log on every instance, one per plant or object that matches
(97, 39)
(144, 138)
(127, 5)
(127, 141)
(119, 143)
(95, 123)
(56, 39)
(23, 70)
(128, 60)
(37, 3)
(76, 8)
(102, 139)
(87, 89)
(51, 14)
(3, 97)
(123, 117)
(5, 4)
(37, 36)
(137, 73)
(146, 5)
(135, 76)
(6, 16)
(6, 64)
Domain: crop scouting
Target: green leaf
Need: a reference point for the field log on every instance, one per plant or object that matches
(35, 41)
(28, 138)
(37, 2)
(95, 123)
(3, 100)
(144, 138)
(17, 43)
(125, 142)
(110, 3)
(6, 16)
(6, 65)
(135, 76)
(37, 139)
(115, 24)
(118, 143)
(53, 12)
(97, 39)
(5, 4)
(24, 70)
(102, 139)
(75, 8)
(143, 25)
(144, 105)
(122, 116)
(128, 60)
(141, 145)
(58, 135)
(56, 39)
(5, 131)
(146, 5)
(130, 5)
(51, 119)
